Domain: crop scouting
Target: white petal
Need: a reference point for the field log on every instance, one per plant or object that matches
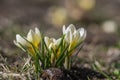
(58, 41)
(21, 40)
(67, 37)
(37, 31)
(30, 36)
(84, 36)
(71, 37)
(50, 46)
(47, 41)
(53, 40)
(76, 36)
(64, 29)
(16, 43)
(71, 28)
(83, 33)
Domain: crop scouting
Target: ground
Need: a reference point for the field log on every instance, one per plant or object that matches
(100, 53)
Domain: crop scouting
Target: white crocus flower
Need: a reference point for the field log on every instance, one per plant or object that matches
(33, 37)
(73, 36)
(52, 43)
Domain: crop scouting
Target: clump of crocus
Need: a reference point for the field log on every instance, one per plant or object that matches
(50, 52)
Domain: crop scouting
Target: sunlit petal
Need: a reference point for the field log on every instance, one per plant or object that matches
(71, 28)
(64, 29)
(30, 36)
(21, 40)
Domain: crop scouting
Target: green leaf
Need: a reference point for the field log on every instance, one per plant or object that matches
(74, 57)
(62, 56)
(74, 47)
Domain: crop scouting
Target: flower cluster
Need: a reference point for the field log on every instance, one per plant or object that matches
(50, 52)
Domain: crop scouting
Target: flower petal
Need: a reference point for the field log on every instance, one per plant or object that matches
(71, 28)
(67, 37)
(76, 36)
(30, 36)
(21, 40)
(57, 42)
(37, 31)
(83, 33)
(64, 29)
(47, 41)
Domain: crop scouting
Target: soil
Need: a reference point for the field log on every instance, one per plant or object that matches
(74, 73)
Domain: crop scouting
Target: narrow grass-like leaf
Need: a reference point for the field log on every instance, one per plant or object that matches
(74, 57)
(47, 54)
(62, 56)
(95, 66)
(74, 47)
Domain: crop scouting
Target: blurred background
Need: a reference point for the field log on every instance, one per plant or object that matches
(101, 19)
